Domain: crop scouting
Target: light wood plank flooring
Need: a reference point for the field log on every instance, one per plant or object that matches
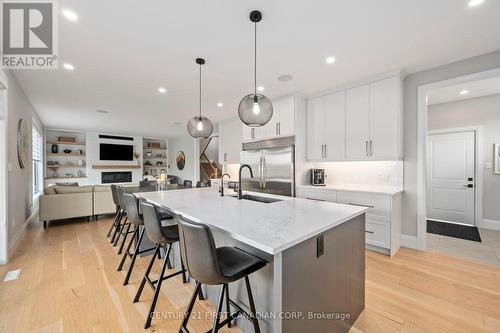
(69, 283)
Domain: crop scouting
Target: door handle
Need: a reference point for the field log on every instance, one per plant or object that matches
(252, 133)
(366, 148)
(371, 148)
(276, 129)
(326, 151)
(468, 185)
(279, 128)
(369, 232)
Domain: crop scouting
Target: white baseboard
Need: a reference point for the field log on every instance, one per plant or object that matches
(20, 233)
(489, 224)
(408, 241)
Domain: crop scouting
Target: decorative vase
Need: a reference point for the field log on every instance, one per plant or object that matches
(55, 149)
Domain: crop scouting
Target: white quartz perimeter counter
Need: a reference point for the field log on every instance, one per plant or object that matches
(386, 190)
(269, 227)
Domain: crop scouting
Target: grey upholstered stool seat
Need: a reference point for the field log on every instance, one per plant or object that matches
(163, 237)
(216, 266)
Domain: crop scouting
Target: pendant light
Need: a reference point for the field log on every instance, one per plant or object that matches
(255, 110)
(200, 126)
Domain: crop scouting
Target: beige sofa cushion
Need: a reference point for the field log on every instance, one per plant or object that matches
(73, 189)
(63, 206)
(51, 189)
(102, 188)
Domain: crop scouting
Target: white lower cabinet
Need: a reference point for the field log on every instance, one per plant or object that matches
(383, 217)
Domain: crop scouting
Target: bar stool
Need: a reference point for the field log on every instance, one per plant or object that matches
(200, 184)
(216, 266)
(124, 228)
(119, 211)
(132, 207)
(163, 237)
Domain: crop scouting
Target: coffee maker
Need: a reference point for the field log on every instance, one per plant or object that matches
(318, 177)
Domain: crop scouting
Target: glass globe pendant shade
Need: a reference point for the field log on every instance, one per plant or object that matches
(255, 110)
(200, 127)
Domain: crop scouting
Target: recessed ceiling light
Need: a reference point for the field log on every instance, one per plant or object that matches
(220, 104)
(464, 92)
(162, 90)
(69, 67)
(261, 88)
(285, 78)
(70, 15)
(330, 60)
(474, 3)
(102, 111)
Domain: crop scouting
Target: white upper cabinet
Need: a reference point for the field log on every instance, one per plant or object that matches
(358, 122)
(384, 119)
(315, 128)
(335, 127)
(230, 135)
(281, 124)
(326, 127)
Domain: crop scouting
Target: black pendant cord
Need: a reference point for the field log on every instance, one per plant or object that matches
(200, 91)
(255, 61)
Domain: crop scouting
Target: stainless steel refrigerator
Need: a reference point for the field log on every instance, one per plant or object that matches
(272, 163)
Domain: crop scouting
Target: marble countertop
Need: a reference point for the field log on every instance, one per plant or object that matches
(377, 189)
(270, 227)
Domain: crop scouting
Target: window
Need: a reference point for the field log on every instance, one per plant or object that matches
(37, 151)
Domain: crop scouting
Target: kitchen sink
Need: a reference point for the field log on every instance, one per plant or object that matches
(256, 198)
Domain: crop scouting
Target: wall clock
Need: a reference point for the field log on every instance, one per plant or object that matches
(22, 143)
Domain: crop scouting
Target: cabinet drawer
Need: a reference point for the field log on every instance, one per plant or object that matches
(378, 233)
(379, 206)
(317, 194)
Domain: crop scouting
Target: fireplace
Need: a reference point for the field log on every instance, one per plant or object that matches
(116, 177)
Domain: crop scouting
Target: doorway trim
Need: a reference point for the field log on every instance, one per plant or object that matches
(422, 144)
(478, 166)
(4, 225)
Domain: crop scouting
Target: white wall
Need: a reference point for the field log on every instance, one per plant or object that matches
(191, 149)
(485, 112)
(19, 202)
(411, 84)
(374, 173)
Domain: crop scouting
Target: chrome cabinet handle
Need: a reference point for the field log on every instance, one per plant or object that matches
(369, 232)
(366, 148)
(225, 157)
(360, 205)
(326, 151)
(315, 199)
(252, 133)
(279, 128)
(371, 148)
(276, 129)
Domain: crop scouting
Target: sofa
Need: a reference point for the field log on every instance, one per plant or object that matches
(65, 202)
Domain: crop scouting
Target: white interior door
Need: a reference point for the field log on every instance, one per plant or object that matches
(451, 177)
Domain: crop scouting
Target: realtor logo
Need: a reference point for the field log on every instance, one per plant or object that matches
(29, 34)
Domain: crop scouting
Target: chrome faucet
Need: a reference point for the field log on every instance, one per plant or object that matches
(222, 183)
(239, 180)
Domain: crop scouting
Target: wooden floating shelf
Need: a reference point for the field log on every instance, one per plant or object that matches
(158, 158)
(63, 154)
(155, 166)
(65, 166)
(119, 166)
(65, 143)
(49, 178)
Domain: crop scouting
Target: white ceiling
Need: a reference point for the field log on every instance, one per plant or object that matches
(123, 50)
(475, 89)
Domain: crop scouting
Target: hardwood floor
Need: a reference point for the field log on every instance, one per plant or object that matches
(69, 283)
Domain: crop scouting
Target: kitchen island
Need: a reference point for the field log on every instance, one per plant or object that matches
(315, 277)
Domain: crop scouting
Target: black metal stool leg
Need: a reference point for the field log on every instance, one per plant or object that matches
(127, 250)
(253, 314)
(215, 327)
(146, 274)
(117, 226)
(228, 308)
(120, 232)
(124, 238)
(189, 309)
(114, 223)
(157, 289)
(136, 252)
